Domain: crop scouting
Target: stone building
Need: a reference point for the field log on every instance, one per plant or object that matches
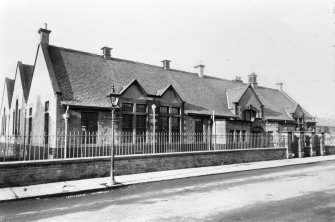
(74, 82)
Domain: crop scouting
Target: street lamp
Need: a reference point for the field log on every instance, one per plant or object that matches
(113, 99)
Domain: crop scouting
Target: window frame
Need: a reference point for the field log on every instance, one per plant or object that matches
(136, 131)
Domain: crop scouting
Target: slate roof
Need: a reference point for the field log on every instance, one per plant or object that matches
(277, 104)
(26, 72)
(234, 95)
(85, 79)
(10, 88)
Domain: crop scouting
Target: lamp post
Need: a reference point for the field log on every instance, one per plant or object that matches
(154, 127)
(113, 100)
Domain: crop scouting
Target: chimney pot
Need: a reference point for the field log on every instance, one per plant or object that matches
(201, 70)
(280, 86)
(106, 51)
(44, 34)
(166, 64)
(238, 79)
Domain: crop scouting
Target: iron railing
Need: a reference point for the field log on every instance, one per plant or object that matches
(92, 144)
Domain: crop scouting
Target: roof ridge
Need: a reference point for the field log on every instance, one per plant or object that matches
(142, 63)
(74, 50)
(27, 65)
(124, 60)
(264, 87)
(242, 87)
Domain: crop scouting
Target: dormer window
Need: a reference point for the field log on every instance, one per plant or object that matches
(299, 123)
(249, 115)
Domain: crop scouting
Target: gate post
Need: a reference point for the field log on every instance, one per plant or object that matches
(312, 144)
(286, 139)
(322, 144)
(301, 144)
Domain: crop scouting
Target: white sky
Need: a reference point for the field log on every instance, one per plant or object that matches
(288, 41)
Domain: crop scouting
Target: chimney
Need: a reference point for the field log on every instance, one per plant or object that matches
(44, 34)
(280, 86)
(106, 51)
(253, 79)
(201, 71)
(166, 64)
(238, 79)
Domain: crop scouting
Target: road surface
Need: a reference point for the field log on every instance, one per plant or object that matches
(294, 193)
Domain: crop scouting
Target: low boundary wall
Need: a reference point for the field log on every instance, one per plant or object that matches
(330, 150)
(28, 173)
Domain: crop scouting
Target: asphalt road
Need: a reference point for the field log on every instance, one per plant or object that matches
(294, 193)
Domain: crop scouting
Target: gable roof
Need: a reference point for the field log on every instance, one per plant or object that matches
(160, 92)
(234, 95)
(85, 79)
(133, 82)
(277, 104)
(26, 75)
(10, 88)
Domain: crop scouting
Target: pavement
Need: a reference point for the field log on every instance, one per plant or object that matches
(76, 187)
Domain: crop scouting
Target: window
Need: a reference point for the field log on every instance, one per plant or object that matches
(141, 126)
(134, 120)
(231, 136)
(46, 106)
(175, 124)
(30, 111)
(175, 129)
(198, 126)
(46, 128)
(164, 121)
(127, 123)
(249, 115)
(14, 123)
(141, 122)
(141, 108)
(16, 119)
(237, 136)
(164, 109)
(299, 122)
(198, 130)
(243, 135)
(128, 107)
(89, 125)
(169, 119)
(175, 110)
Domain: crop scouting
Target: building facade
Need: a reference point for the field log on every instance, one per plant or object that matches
(67, 88)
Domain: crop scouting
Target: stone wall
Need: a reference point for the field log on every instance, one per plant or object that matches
(14, 174)
(330, 150)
